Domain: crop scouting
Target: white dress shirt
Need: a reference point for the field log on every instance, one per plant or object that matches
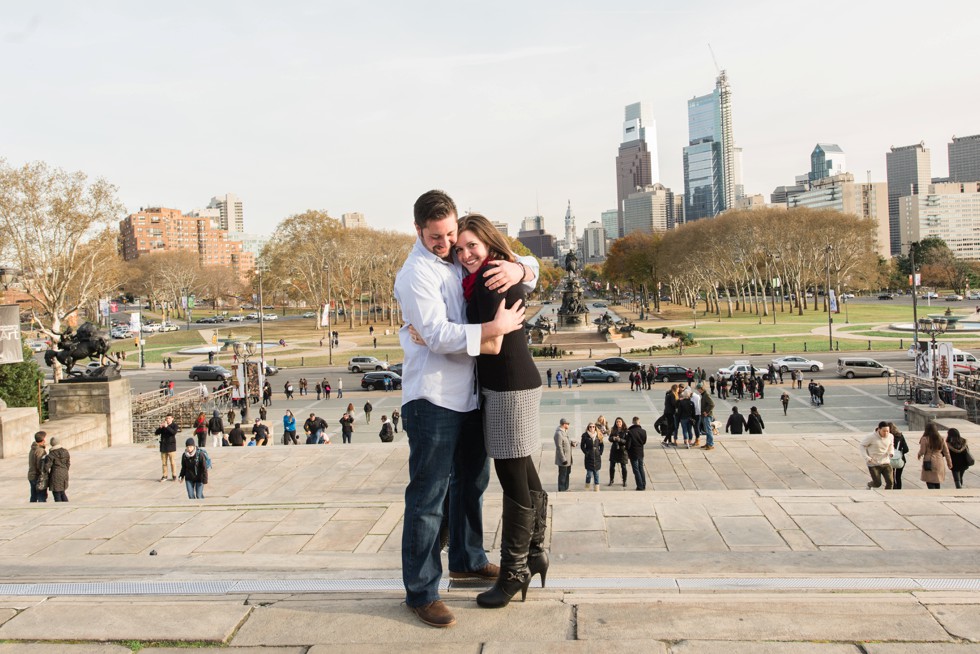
(430, 293)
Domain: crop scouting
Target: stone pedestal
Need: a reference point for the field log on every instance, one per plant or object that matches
(920, 415)
(111, 399)
(17, 428)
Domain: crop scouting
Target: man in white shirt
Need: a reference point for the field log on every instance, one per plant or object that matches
(440, 409)
(877, 449)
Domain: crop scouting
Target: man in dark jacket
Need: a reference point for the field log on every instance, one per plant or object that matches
(367, 412)
(707, 418)
(34, 464)
(167, 432)
(216, 427)
(347, 425)
(636, 438)
(261, 433)
(314, 428)
(236, 437)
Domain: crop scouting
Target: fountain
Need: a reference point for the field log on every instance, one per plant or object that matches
(573, 314)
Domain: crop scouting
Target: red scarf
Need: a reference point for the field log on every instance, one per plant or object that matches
(469, 282)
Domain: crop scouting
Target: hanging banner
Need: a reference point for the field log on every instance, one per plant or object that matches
(11, 345)
(325, 316)
(833, 301)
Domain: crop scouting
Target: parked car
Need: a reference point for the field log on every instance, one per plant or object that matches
(886, 296)
(618, 363)
(742, 366)
(847, 296)
(930, 295)
(150, 327)
(37, 345)
(271, 370)
(251, 316)
(308, 314)
(120, 332)
(954, 297)
(373, 380)
(599, 305)
(797, 363)
(168, 327)
(597, 374)
(671, 372)
(209, 373)
(209, 320)
(237, 319)
(270, 316)
(396, 368)
(357, 364)
(852, 367)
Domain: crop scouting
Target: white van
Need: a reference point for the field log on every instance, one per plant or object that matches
(965, 362)
(852, 367)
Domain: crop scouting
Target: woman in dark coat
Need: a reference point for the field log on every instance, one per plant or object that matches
(900, 446)
(736, 422)
(617, 450)
(755, 423)
(58, 463)
(959, 452)
(193, 470)
(592, 446)
(670, 414)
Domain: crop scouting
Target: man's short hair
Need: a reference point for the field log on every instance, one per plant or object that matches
(238, 425)
(636, 420)
(433, 205)
(882, 424)
(564, 421)
(40, 436)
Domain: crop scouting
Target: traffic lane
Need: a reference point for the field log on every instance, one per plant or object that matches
(149, 379)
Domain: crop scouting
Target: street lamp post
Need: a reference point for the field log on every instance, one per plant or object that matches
(934, 327)
(830, 314)
(261, 323)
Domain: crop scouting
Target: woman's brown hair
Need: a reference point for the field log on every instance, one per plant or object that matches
(932, 433)
(497, 245)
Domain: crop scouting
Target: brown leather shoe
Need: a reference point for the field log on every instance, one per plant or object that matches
(489, 571)
(435, 614)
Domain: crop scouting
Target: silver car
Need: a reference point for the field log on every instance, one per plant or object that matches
(788, 363)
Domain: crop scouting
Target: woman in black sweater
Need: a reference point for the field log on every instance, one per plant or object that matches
(510, 386)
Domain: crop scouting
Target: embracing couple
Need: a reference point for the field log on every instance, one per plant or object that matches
(462, 293)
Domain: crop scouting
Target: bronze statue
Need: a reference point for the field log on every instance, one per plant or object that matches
(571, 262)
(85, 343)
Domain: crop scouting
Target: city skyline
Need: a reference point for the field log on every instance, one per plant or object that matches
(360, 109)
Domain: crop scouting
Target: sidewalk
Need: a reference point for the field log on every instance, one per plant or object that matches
(765, 545)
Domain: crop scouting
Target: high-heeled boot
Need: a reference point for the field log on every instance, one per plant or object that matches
(537, 557)
(516, 524)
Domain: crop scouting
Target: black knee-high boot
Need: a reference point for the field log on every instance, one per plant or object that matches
(537, 558)
(516, 524)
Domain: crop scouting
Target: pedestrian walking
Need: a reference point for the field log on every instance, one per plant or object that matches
(340, 389)
(877, 449)
(216, 429)
(193, 470)
(901, 448)
(959, 453)
(326, 390)
(784, 400)
(201, 429)
(347, 427)
(736, 422)
(167, 431)
(318, 389)
(58, 461)
(934, 454)
(36, 468)
(395, 417)
(685, 416)
(288, 388)
(367, 412)
(707, 418)
(548, 375)
(558, 379)
(289, 429)
(755, 422)
(236, 437)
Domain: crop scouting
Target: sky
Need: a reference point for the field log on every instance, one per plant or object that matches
(514, 108)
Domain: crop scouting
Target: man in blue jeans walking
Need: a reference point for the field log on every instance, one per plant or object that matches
(441, 407)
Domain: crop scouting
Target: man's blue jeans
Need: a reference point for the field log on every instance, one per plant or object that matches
(639, 474)
(708, 431)
(564, 472)
(593, 475)
(195, 489)
(445, 454)
(686, 424)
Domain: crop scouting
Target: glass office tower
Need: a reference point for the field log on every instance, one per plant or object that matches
(710, 171)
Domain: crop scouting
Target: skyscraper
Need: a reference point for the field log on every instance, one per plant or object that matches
(649, 210)
(909, 173)
(610, 223)
(571, 240)
(634, 164)
(532, 223)
(964, 159)
(711, 168)
(232, 214)
(594, 242)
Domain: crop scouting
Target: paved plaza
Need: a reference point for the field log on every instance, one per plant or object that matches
(767, 544)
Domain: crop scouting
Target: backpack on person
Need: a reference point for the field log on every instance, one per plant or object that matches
(387, 433)
(207, 457)
(43, 468)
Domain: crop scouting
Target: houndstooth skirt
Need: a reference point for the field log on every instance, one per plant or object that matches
(511, 423)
